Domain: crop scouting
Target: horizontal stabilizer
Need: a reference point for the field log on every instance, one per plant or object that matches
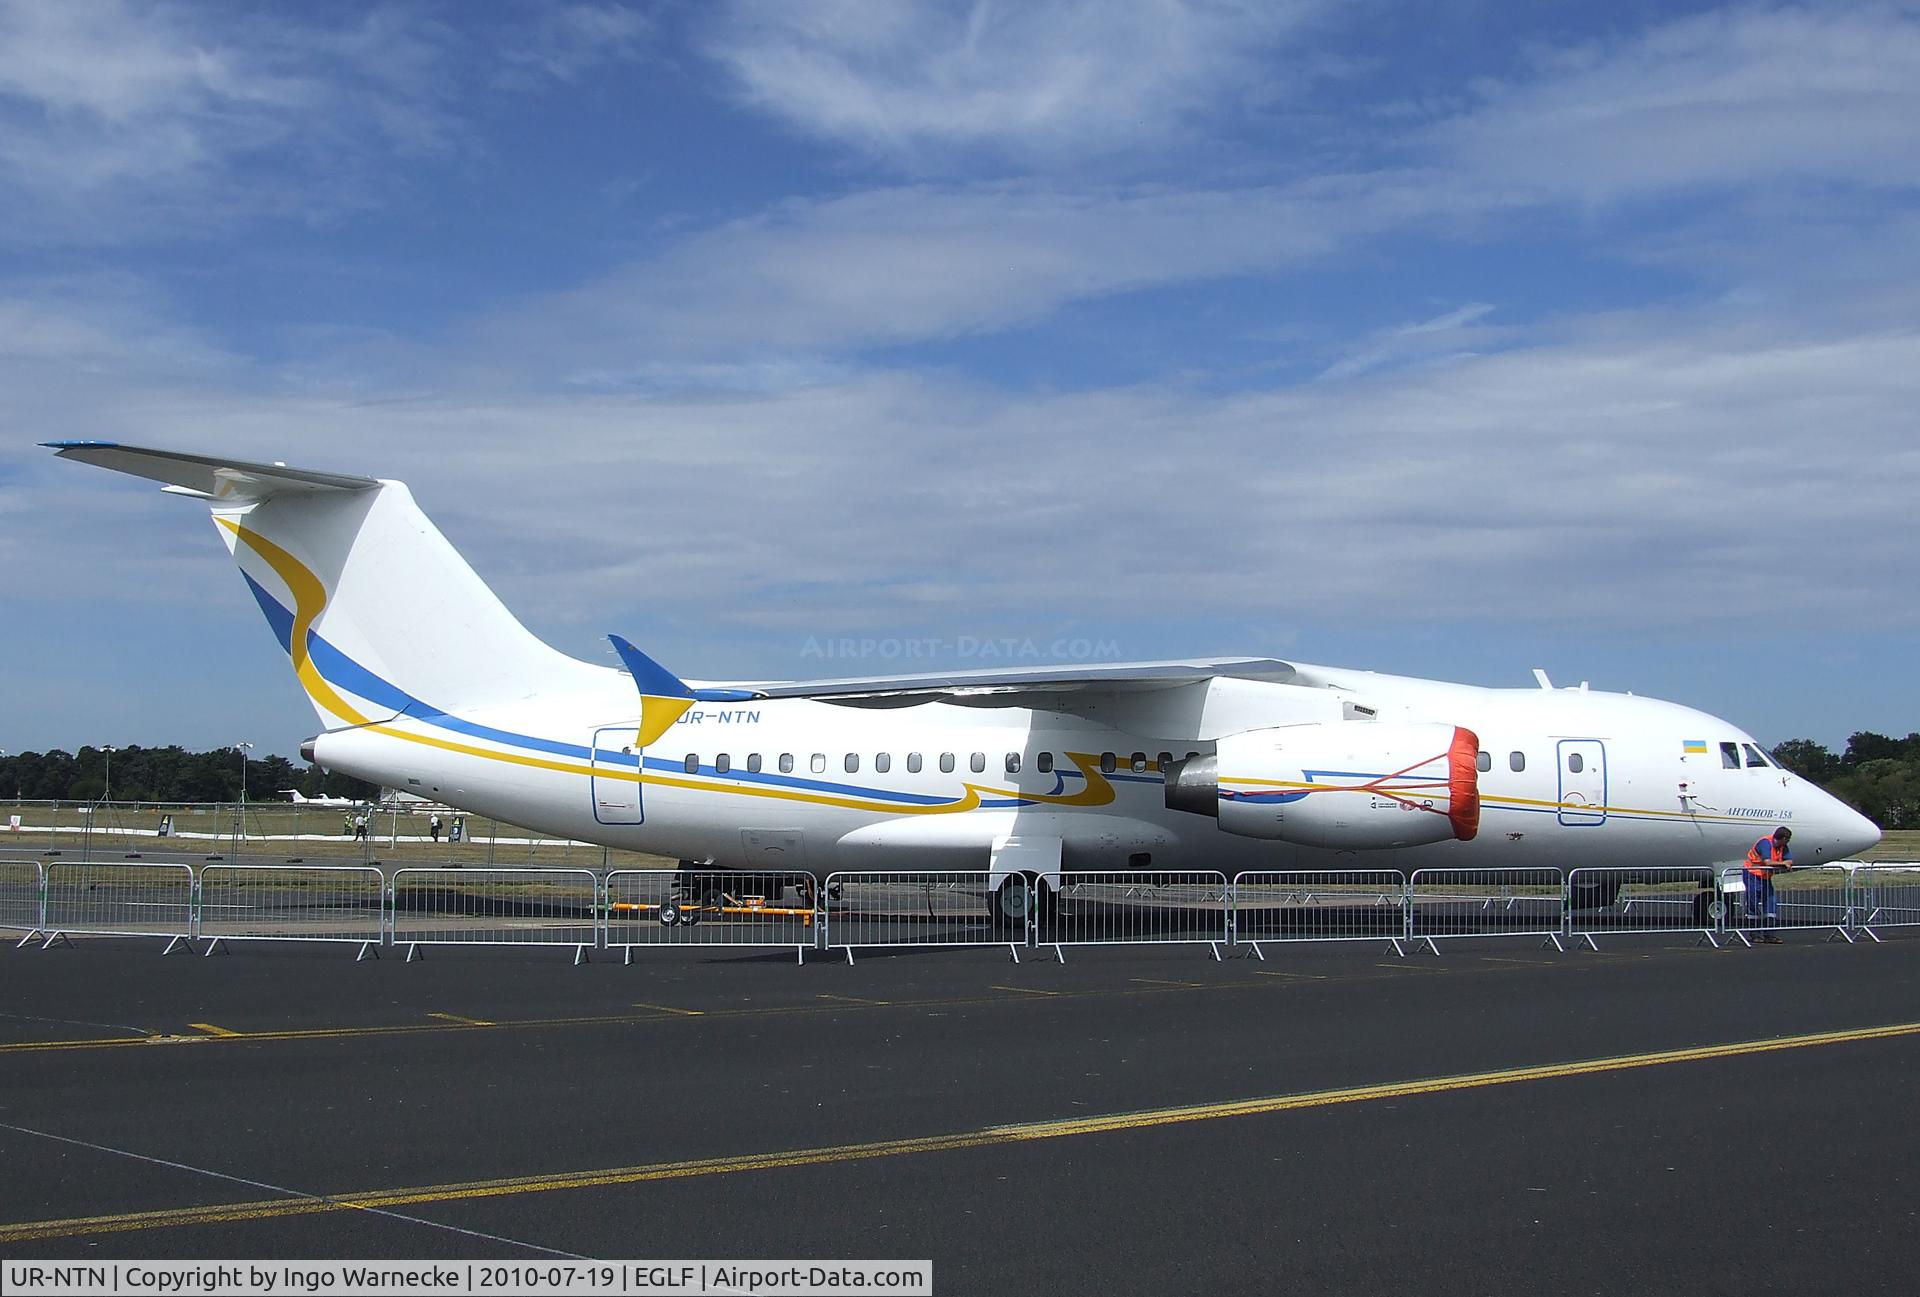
(208, 477)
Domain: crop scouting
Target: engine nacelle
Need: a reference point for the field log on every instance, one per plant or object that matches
(1350, 785)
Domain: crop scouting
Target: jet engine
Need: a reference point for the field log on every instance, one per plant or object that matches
(1349, 785)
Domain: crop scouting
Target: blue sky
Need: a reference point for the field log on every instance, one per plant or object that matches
(1445, 340)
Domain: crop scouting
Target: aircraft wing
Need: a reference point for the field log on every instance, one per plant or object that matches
(1044, 687)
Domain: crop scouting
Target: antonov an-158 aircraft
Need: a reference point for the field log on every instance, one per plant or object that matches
(424, 682)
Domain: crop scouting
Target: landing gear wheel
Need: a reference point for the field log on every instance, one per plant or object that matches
(1007, 910)
(671, 915)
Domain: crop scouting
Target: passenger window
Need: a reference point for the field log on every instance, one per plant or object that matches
(1108, 763)
(1516, 761)
(946, 763)
(1013, 763)
(819, 763)
(786, 763)
(1730, 756)
(693, 764)
(1139, 763)
(1753, 756)
(1166, 759)
(1483, 762)
(852, 763)
(753, 763)
(979, 762)
(722, 764)
(1575, 762)
(883, 761)
(913, 763)
(1044, 763)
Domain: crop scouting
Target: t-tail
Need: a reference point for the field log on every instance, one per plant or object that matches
(379, 614)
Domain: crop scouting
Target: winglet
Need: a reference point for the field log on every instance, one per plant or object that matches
(664, 697)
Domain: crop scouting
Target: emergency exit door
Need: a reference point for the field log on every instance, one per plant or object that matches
(1583, 781)
(615, 784)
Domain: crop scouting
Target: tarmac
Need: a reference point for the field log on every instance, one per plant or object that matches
(1498, 1118)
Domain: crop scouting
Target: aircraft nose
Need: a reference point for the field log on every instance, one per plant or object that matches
(1857, 833)
(1840, 831)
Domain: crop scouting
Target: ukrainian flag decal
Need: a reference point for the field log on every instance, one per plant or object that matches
(1690, 747)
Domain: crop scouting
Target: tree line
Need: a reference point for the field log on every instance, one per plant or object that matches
(170, 774)
(1877, 775)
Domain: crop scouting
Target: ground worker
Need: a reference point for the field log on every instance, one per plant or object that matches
(1763, 857)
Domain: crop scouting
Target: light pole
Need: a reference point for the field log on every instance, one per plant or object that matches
(107, 796)
(240, 821)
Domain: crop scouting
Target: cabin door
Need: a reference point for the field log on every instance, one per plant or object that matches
(1583, 782)
(615, 783)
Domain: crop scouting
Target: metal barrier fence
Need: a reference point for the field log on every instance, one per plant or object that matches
(1807, 896)
(1082, 907)
(292, 903)
(1616, 900)
(1449, 903)
(1886, 896)
(121, 900)
(23, 897)
(1319, 905)
(672, 907)
(494, 907)
(923, 907)
(777, 909)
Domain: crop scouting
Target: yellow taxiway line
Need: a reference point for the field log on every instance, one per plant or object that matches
(276, 1208)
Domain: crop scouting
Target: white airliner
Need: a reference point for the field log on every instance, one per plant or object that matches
(337, 803)
(426, 683)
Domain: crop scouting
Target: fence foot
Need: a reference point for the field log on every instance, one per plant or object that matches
(1214, 946)
(1014, 951)
(174, 944)
(1258, 953)
(1842, 934)
(1745, 940)
(1393, 944)
(579, 956)
(1432, 945)
(212, 946)
(1059, 953)
(367, 951)
(60, 937)
(1871, 933)
(1591, 943)
(1710, 939)
(849, 954)
(628, 961)
(36, 934)
(799, 954)
(1553, 939)
(413, 952)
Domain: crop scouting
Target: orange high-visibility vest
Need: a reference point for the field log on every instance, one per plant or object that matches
(1763, 855)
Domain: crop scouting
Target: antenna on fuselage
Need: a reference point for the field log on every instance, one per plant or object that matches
(1540, 674)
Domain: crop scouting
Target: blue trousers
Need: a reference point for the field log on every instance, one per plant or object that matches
(1760, 898)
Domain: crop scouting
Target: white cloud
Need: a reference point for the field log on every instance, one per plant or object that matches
(566, 41)
(1453, 334)
(893, 266)
(1055, 81)
(1737, 96)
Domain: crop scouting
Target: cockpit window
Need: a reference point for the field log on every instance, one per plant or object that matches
(1730, 756)
(1754, 757)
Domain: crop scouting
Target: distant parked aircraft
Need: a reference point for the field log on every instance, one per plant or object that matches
(335, 802)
